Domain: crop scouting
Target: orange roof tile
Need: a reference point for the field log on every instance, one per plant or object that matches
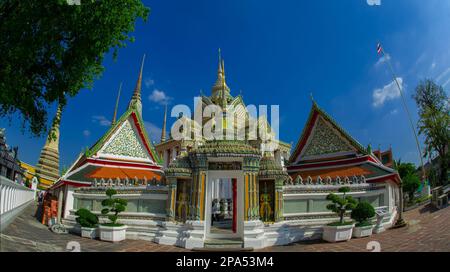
(348, 171)
(114, 172)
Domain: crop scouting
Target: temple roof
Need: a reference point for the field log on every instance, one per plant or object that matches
(326, 151)
(123, 152)
(322, 138)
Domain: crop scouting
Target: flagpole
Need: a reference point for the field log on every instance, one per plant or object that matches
(406, 109)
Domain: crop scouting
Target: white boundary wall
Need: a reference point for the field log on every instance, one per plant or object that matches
(13, 199)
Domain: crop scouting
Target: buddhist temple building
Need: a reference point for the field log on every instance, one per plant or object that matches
(124, 157)
(241, 185)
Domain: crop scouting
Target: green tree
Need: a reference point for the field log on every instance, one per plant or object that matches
(340, 204)
(434, 123)
(50, 50)
(410, 179)
(410, 183)
(404, 168)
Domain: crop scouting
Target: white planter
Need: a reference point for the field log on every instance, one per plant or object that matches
(91, 233)
(112, 234)
(362, 231)
(337, 233)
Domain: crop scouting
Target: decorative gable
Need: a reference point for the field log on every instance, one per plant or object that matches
(126, 142)
(324, 139)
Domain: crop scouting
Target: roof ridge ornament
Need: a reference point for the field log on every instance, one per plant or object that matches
(117, 105)
(136, 98)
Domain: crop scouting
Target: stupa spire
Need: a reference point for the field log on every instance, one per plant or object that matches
(163, 132)
(48, 164)
(136, 98)
(117, 105)
(220, 90)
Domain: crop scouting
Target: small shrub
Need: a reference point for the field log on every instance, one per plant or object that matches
(114, 205)
(86, 218)
(342, 204)
(362, 213)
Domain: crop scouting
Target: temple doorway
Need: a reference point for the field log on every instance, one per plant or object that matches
(223, 217)
(224, 199)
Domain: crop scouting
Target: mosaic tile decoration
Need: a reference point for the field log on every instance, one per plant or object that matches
(126, 143)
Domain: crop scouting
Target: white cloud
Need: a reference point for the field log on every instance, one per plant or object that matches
(382, 60)
(373, 2)
(86, 133)
(101, 120)
(149, 82)
(153, 131)
(388, 92)
(394, 112)
(159, 97)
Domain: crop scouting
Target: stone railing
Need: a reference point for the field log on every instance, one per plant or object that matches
(13, 199)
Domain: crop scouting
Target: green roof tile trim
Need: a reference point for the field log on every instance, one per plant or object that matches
(99, 144)
(270, 169)
(226, 146)
(330, 119)
(180, 167)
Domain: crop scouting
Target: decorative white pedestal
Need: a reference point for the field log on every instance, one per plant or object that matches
(195, 234)
(254, 234)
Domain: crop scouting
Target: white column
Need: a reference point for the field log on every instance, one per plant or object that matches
(69, 201)
(174, 153)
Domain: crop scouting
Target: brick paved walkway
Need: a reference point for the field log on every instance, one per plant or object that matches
(26, 233)
(428, 230)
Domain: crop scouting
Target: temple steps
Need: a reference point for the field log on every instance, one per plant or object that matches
(224, 245)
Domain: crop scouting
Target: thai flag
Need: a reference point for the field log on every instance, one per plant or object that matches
(379, 48)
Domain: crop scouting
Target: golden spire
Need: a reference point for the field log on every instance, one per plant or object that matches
(163, 132)
(219, 69)
(48, 163)
(220, 90)
(117, 105)
(136, 99)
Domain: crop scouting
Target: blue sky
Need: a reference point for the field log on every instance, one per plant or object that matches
(275, 53)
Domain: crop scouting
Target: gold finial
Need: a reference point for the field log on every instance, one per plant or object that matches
(117, 104)
(136, 98)
(163, 132)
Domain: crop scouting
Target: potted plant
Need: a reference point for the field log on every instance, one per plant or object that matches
(88, 222)
(341, 230)
(113, 231)
(362, 214)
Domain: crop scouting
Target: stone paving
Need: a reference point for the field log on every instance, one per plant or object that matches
(428, 230)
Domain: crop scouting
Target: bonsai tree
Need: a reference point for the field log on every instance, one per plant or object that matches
(114, 205)
(362, 213)
(86, 218)
(341, 204)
